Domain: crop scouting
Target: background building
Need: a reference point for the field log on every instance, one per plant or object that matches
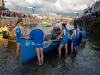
(68, 19)
(44, 17)
(51, 16)
(97, 6)
(58, 17)
(93, 8)
(1, 2)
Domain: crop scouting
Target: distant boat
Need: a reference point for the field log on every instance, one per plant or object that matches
(46, 24)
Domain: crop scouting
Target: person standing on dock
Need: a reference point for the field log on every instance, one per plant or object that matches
(38, 36)
(20, 32)
(65, 39)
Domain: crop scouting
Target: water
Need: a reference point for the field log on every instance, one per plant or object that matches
(84, 61)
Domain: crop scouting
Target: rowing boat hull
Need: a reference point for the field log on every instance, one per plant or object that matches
(28, 49)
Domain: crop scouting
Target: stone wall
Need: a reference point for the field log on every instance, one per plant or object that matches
(13, 20)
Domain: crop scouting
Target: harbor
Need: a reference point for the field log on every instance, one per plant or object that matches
(49, 38)
(83, 61)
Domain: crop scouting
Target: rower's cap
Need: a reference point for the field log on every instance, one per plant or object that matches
(32, 25)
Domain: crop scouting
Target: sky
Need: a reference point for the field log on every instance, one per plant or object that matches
(63, 7)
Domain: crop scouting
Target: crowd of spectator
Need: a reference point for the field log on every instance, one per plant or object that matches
(91, 16)
(8, 13)
(88, 17)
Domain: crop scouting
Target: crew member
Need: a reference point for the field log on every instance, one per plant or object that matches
(39, 42)
(74, 38)
(20, 32)
(64, 42)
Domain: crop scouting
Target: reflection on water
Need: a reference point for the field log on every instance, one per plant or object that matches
(84, 61)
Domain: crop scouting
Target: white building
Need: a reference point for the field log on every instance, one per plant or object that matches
(97, 6)
(51, 16)
(1, 2)
(39, 17)
(93, 8)
(87, 10)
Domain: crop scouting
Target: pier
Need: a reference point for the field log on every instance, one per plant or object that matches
(13, 20)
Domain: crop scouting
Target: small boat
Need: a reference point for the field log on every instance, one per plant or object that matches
(28, 50)
(46, 24)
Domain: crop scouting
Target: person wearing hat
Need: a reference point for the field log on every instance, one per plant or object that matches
(74, 39)
(20, 32)
(38, 36)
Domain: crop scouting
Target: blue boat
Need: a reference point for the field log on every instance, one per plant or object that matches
(28, 50)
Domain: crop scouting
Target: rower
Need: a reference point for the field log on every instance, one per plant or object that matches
(84, 35)
(56, 30)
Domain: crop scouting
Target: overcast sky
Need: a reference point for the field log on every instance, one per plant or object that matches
(63, 7)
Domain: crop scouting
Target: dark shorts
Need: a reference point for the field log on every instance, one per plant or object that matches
(5, 36)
